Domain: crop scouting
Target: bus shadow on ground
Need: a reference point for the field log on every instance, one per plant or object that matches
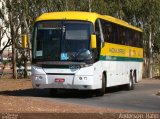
(61, 93)
(26, 92)
(45, 93)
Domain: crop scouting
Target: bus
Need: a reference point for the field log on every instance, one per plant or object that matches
(85, 51)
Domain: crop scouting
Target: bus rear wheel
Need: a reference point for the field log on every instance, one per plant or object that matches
(101, 92)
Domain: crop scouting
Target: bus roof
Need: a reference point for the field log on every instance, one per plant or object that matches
(86, 16)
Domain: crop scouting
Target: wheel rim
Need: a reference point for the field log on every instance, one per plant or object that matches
(130, 82)
(134, 79)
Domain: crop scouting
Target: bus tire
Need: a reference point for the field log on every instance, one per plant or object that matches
(131, 84)
(53, 92)
(135, 76)
(101, 92)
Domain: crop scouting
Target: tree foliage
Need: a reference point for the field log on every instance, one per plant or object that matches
(141, 13)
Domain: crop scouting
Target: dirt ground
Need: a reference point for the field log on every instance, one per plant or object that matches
(23, 106)
(12, 103)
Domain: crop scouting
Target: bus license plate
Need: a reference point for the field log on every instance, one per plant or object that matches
(59, 80)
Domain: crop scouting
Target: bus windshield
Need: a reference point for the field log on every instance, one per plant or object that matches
(62, 41)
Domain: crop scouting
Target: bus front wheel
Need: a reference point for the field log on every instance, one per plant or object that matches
(101, 92)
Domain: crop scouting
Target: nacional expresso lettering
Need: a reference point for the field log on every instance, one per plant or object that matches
(115, 50)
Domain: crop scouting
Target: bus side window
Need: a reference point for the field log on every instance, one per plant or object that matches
(127, 37)
(131, 38)
(103, 30)
(99, 30)
(119, 34)
(123, 38)
(135, 39)
(99, 40)
(108, 31)
(140, 40)
(122, 35)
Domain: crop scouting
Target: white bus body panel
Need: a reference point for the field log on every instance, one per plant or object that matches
(117, 73)
(45, 77)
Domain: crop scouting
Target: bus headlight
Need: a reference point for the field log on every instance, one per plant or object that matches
(82, 78)
(38, 77)
(85, 78)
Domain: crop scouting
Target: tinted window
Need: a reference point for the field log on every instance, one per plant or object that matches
(108, 31)
(135, 39)
(77, 31)
(114, 33)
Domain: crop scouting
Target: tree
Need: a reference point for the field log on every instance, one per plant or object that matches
(22, 14)
(145, 14)
(3, 28)
(14, 25)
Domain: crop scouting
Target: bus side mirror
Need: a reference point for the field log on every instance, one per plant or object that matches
(24, 41)
(93, 41)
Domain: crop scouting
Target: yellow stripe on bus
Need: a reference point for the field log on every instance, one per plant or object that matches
(111, 49)
(85, 16)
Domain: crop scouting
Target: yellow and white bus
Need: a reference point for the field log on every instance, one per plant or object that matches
(85, 51)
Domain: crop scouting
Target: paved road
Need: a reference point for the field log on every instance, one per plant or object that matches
(142, 99)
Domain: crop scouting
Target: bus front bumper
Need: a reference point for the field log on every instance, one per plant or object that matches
(63, 82)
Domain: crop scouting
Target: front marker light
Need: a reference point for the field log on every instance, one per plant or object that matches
(40, 77)
(85, 78)
(80, 78)
(36, 77)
